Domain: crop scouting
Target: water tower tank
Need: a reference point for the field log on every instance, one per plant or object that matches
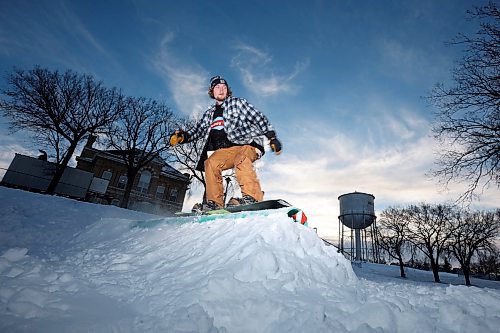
(357, 210)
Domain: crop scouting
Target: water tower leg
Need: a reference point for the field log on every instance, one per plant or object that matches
(341, 238)
(358, 244)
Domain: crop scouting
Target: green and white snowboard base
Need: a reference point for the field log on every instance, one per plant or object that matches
(267, 204)
(262, 208)
(296, 214)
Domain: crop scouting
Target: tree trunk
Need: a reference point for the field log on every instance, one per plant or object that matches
(401, 268)
(51, 189)
(435, 270)
(128, 190)
(466, 269)
(204, 199)
(466, 275)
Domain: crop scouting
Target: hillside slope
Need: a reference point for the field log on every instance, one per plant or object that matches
(73, 266)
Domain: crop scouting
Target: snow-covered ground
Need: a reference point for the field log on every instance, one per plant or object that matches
(68, 266)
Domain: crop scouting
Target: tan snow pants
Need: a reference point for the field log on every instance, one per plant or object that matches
(240, 158)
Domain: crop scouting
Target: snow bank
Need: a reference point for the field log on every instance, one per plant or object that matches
(71, 266)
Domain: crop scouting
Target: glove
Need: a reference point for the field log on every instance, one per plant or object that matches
(275, 145)
(273, 142)
(178, 137)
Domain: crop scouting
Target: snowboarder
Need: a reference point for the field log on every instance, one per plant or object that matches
(233, 133)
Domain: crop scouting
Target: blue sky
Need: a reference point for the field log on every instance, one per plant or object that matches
(341, 81)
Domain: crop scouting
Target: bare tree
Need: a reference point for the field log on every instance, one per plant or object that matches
(471, 233)
(468, 120)
(392, 232)
(139, 137)
(59, 109)
(187, 155)
(488, 263)
(429, 231)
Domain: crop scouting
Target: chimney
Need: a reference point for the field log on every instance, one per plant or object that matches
(90, 141)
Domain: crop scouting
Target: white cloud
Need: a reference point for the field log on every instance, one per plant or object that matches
(9, 146)
(255, 67)
(389, 123)
(405, 125)
(72, 23)
(398, 54)
(186, 81)
(395, 174)
(250, 55)
(406, 60)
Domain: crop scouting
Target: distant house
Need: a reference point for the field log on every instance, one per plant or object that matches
(158, 188)
(35, 174)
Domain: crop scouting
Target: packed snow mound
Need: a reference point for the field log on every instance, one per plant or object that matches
(67, 266)
(231, 270)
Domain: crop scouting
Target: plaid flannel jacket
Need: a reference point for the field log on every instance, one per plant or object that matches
(242, 122)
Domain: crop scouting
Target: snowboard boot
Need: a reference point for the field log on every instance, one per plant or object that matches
(205, 207)
(197, 208)
(245, 200)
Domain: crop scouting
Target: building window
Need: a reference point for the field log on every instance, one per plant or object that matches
(160, 191)
(116, 202)
(173, 194)
(107, 174)
(122, 182)
(144, 181)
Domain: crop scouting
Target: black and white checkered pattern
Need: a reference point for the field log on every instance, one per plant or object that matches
(242, 123)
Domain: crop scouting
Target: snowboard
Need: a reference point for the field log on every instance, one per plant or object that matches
(296, 214)
(262, 208)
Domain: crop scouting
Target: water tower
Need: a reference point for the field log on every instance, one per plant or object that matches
(357, 212)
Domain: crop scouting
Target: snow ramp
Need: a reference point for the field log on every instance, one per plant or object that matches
(234, 273)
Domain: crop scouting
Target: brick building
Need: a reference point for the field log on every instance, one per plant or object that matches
(158, 188)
